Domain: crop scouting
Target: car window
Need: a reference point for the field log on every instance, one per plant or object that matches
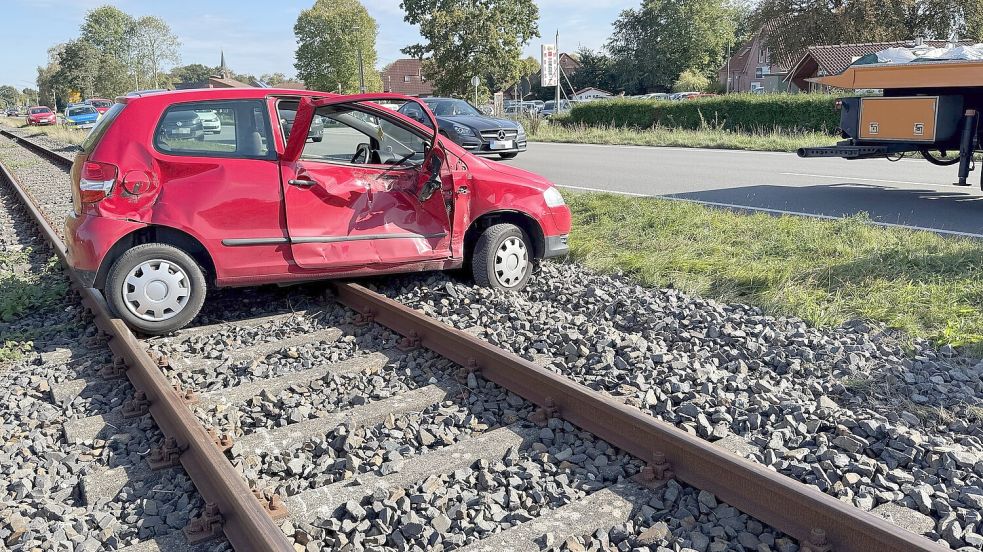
(40, 110)
(80, 111)
(346, 134)
(215, 129)
(95, 136)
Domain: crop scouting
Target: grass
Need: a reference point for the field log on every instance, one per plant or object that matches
(55, 132)
(709, 137)
(825, 272)
(23, 292)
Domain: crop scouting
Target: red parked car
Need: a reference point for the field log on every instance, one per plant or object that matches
(41, 115)
(160, 210)
(102, 105)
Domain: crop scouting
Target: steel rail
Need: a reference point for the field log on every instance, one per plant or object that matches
(246, 523)
(788, 505)
(59, 159)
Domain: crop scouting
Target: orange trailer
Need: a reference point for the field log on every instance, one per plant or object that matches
(927, 107)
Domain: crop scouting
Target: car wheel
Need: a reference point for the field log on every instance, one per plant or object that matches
(502, 258)
(155, 288)
(318, 138)
(508, 155)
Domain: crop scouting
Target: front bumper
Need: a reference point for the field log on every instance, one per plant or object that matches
(557, 246)
(477, 146)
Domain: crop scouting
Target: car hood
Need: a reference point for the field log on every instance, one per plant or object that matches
(477, 122)
(512, 173)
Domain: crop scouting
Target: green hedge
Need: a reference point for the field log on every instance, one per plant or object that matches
(737, 112)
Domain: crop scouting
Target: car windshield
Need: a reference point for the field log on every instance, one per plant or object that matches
(80, 111)
(37, 110)
(451, 107)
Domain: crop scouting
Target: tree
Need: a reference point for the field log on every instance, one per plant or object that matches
(46, 78)
(330, 36)
(29, 96)
(651, 48)
(465, 38)
(78, 66)
(691, 81)
(596, 70)
(110, 31)
(273, 80)
(9, 96)
(794, 25)
(192, 73)
(155, 46)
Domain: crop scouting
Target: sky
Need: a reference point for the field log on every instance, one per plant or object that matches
(257, 35)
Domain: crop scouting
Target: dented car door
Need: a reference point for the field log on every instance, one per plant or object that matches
(365, 194)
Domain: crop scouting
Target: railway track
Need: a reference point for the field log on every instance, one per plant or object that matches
(359, 423)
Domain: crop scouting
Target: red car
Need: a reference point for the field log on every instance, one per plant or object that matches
(102, 105)
(41, 115)
(161, 209)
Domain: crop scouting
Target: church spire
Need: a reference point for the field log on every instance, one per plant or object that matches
(222, 67)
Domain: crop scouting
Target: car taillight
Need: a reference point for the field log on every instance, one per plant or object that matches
(97, 181)
(838, 104)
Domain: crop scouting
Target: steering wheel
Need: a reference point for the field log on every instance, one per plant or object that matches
(363, 153)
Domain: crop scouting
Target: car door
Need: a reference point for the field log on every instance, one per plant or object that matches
(364, 195)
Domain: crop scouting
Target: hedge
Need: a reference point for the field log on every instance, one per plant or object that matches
(737, 112)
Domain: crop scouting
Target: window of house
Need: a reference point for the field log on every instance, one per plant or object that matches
(215, 129)
(407, 78)
(763, 55)
(759, 72)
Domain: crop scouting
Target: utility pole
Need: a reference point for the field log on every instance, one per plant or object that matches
(728, 70)
(556, 45)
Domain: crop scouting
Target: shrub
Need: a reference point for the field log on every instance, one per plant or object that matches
(752, 113)
(691, 80)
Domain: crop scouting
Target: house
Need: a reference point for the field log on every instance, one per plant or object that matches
(405, 76)
(820, 61)
(753, 69)
(591, 93)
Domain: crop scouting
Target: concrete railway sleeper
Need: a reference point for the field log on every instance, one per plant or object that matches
(497, 442)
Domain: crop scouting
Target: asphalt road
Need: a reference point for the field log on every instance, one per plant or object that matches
(909, 192)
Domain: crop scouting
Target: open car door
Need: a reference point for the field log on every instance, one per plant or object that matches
(370, 192)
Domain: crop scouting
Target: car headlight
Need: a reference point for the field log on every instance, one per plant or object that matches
(463, 130)
(521, 130)
(552, 197)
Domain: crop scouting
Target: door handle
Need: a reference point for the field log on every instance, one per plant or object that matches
(301, 182)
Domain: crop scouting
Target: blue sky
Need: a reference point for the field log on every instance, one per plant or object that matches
(257, 35)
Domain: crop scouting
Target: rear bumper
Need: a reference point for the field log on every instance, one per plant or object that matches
(89, 239)
(556, 246)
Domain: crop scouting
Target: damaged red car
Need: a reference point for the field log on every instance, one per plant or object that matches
(163, 210)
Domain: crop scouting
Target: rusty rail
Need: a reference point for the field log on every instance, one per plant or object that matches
(246, 523)
(814, 518)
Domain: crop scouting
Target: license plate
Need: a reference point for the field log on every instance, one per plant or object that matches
(183, 131)
(501, 144)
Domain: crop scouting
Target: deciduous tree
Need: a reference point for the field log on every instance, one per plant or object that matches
(194, 72)
(465, 38)
(156, 46)
(653, 44)
(794, 25)
(330, 36)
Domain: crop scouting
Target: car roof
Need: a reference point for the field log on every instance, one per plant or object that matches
(193, 94)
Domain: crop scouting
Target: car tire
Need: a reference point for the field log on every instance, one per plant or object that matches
(180, 283)
(508, 155)
(318, 139)
(502, 258)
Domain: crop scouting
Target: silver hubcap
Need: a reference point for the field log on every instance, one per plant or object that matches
(511, 262)
(156, 290)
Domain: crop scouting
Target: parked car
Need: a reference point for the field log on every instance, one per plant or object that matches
(102, 105)
(41, 115)
(518, 110)
(81, 116)
(656, 96)
(178, 125)
(210, 121)
(550, 108)
(470, 128)
(12, 112)
(316, 132)
(156, 220)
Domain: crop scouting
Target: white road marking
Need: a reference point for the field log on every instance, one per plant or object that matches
(773, 211)
(852, 178)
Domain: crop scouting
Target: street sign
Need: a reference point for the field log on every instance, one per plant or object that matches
(550, 66)
(475, 81)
